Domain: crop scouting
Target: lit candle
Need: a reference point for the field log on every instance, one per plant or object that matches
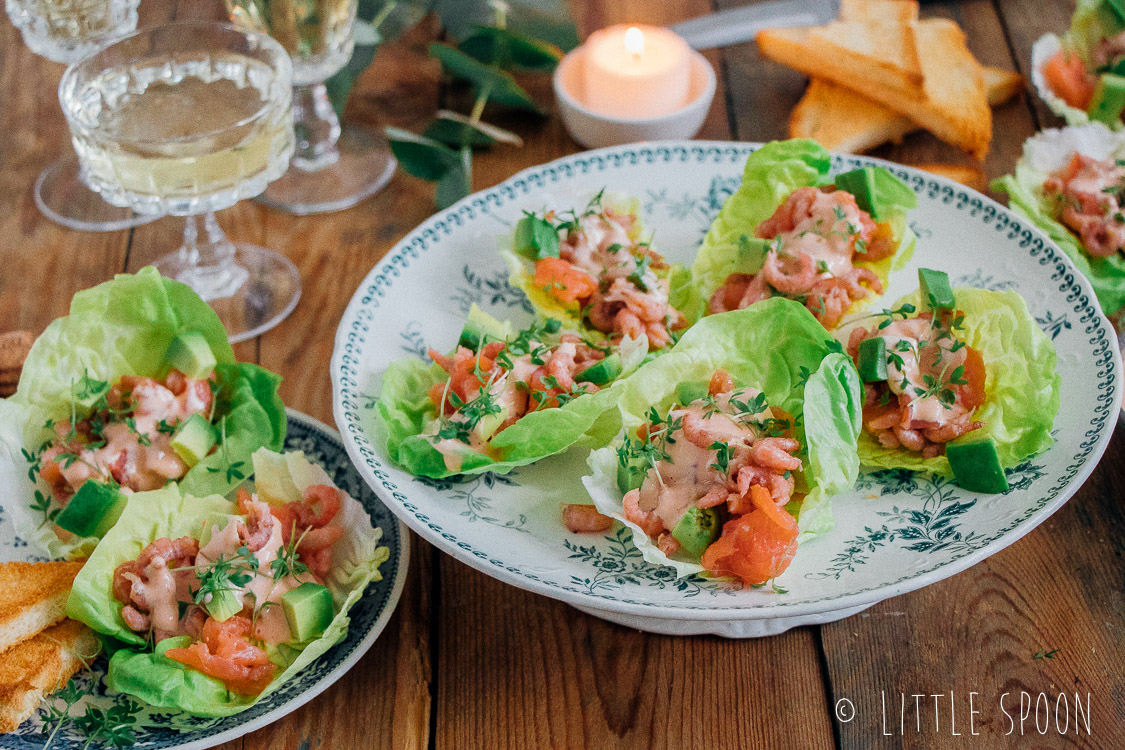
(636, 72)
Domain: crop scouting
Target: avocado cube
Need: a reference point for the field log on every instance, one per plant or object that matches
(697, 530)
(691, 390)
(976, 464)
(93, 510)
(190, 353)
(934, 290)
(309, 610)
(194, 439)
(1108, 100)
(473, 336)
(631, 474)
(536, 238)
(873, 359)
(1111, 15)
(752, 253)
(601, 372)
(861, 184)
(224, 604)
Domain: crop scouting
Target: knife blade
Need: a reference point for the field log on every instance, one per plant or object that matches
(736, 25)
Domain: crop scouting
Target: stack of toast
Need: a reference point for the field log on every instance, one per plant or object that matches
(878, 73)
(14, 346)
(40, 649)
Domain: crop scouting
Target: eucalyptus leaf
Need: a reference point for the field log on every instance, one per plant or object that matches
(452, 127)
(549, 20)
(422, 157)
(508, 49)
(499, 85)
(452, 187)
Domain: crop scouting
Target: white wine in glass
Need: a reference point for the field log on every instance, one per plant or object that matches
(334, 166)
(186, 119)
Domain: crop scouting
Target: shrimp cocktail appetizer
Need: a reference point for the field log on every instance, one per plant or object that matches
(791, 230)
(741, 449)
(504, 398)
(137, 388)
(958, 382)
(596, 271)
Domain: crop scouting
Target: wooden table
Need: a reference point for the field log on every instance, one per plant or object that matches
(468, 662)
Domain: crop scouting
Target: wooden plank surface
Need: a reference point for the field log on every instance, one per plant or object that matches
(468, 662)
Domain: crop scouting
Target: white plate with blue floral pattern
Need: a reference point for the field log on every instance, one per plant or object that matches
(895, 532)
(163, 730)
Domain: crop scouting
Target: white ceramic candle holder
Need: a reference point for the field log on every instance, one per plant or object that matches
(595, 130)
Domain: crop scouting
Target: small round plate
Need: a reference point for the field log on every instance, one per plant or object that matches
(896, 531)
(165, 730)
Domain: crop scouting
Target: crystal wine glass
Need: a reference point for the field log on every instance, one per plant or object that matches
(65, 31)
(334, 166)
(186, 119)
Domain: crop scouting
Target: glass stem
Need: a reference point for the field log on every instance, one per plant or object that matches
(316, 126)
(209, 256)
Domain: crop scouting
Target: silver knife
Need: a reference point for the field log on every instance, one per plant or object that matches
(736, 25)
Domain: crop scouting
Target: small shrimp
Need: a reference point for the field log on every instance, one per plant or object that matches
(779, 487)
(256, 530)
(795, 277)
(584, 519)
(667, 544)
(699, 433)
(658, 336)
(887, 438)
(910, 439)
(950, 431)
(626, 322)
(561, 365)
(775, 453)
(721, 382)
(828, 301)
(648, 521)
(135, 619)
(715, 496)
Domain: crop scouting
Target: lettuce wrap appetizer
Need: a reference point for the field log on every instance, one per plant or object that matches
(732, 445)
(792, 230)
(1071, 184)
(503, 399)
(958, 382)
(595, 271)
(215, 604)
(1080, 76)
(137, 387)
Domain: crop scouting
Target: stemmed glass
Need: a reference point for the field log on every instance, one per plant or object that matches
(65, 31)
(334, 166)
(186, 119)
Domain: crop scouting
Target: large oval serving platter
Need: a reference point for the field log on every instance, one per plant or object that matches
(165, 730)
(895, 532)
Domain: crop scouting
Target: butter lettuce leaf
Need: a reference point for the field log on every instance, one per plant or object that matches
(809, 377)
(124, 327)
(770, 175)
(139, 670)
(405, 420)
(1021, 383)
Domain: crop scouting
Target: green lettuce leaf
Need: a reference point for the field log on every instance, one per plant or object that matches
(770, 175)
(1021, 383)
(809, 377)
(404, 412)
(1047, 152)
(148, 674)
(124, 327)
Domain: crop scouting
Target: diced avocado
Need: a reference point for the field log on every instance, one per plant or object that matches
(752, 253)
(697, 530)
(536, 238)
(873, 359)
(190, 353)
(309, 610)
(1111, 16)
(93, 510)
(934, 290)
(601, 372)
(631, 474)
(489, 424)
(224, 604)
(473, 336)
(877, 191)
(860, 183)
(1109, 99)
(691, 390)
(976, 465)
(194, 439)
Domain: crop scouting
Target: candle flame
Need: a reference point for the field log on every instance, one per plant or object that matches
(635, 41)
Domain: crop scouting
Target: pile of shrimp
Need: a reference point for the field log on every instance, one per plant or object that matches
(1087, 191)
(892, 410)
(813, 224)
(597, 268)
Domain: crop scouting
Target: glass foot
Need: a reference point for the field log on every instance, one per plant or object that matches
(364, 166)
(64, 199)
(251, 295)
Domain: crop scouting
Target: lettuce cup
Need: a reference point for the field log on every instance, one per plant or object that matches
(135, 388)
(213, 604)
(503, 398)
(1070, 182)
(957, 382)
(733, 446)
(792, 230)
(596, 272)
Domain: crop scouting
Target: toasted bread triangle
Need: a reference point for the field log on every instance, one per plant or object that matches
(881, 11)
(41, 665)
(887, 50)
(32, 597)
